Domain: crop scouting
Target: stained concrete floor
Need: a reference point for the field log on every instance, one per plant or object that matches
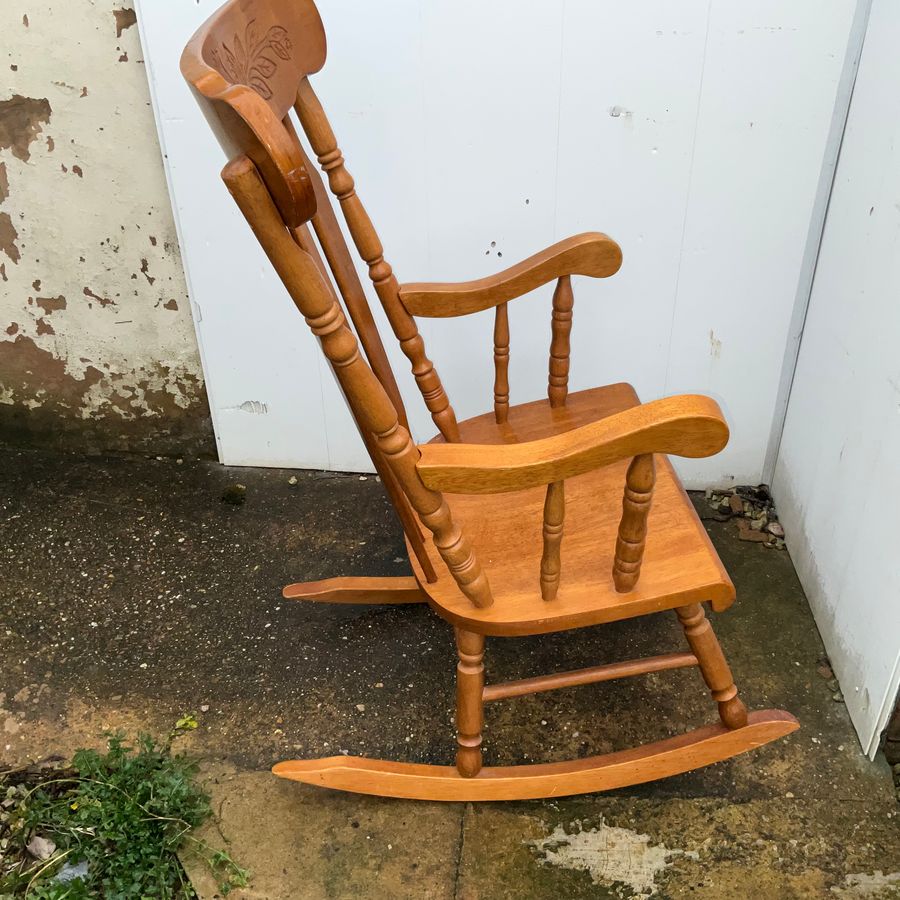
(130, 594)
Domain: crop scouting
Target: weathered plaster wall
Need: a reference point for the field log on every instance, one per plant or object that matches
(97, 347)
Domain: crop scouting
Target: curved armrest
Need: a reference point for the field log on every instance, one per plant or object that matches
(687, 425)
(591, 254)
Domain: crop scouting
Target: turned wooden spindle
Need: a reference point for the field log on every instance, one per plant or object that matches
(554, 514)
(501, 363)
(469, 701)
(561, 328)
(324, 144)
(713, 666)
(632, 536)
(315, 299)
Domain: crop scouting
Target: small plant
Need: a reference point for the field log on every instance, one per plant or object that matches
(108, 827)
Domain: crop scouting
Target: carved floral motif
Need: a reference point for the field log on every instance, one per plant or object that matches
(253, 61)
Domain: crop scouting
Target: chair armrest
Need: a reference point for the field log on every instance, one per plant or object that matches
(687, 425)
(591, 254)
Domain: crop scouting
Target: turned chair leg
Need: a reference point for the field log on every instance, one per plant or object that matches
(469, 701)
(713, 666)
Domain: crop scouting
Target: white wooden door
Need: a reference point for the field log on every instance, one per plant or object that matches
(838, 473)
(695, 133)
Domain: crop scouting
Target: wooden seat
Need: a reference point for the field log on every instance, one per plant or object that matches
(537, 517)
(680, 565)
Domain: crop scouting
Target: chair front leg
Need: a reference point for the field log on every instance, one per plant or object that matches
(469, 701)
(713, 666)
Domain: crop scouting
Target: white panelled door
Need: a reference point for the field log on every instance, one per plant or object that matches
(479, 132)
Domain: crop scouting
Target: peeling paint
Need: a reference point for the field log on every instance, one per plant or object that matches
(103, 301)
(49, 304)
(125, 18)
(90, 358)
(21, 120)
(8, 238)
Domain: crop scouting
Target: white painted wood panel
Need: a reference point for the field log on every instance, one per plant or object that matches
(837, 477)
(479, 129)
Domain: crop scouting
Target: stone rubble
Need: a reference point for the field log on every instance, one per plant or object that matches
(754, 511)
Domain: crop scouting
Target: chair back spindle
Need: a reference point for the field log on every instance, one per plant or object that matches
(324, 144)
(554, 515)
(501, 363)
(561, 328)
(632, 537)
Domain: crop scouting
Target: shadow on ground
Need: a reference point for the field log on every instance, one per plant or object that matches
(131, 594)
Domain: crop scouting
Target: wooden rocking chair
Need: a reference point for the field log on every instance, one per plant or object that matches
(563, 462)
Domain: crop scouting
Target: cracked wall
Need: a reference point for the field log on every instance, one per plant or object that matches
(97, 347)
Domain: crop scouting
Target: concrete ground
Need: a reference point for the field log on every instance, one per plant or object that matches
(130, 594)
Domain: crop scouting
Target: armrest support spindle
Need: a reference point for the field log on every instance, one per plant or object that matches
(561, 328)
(554, 514)
(632, 537)
(501, 364)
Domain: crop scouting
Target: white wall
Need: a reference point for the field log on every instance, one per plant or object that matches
(97, 347)
(838, 474)
(694, 133)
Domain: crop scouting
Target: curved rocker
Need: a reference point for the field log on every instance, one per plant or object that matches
(415, 781)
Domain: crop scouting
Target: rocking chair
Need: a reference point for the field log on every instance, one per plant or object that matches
(592, 462)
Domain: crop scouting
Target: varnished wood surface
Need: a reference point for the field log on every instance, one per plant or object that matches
(469, 701)
(324, 143)
(680, 565)
(687, 425)
(245, 63)
(376, 414)
(554, 525)
(414, 781)
(638, 496)
(713, 665)
(357, 590)
(249, 63)
(560, 329)
(591, 675)
(501, 363)
(592, 254)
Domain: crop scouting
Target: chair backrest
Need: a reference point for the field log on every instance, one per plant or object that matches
(248, 65)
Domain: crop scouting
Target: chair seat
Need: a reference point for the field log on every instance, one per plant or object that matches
(680, 565)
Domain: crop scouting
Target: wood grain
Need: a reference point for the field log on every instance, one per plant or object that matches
(469, 701)
(323, 141)
(688, 425)
(244, 64)
(592, 254)
(561, 328)
(357, 590)
(551, 558)
(314, 298)
(414, 781)
(716, 672)
(632, 536)
(680, 565)
(501, 363)
(591, 675)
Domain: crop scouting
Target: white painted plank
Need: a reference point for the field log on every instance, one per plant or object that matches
(837, 473)
(770, 81)
(475, 130)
